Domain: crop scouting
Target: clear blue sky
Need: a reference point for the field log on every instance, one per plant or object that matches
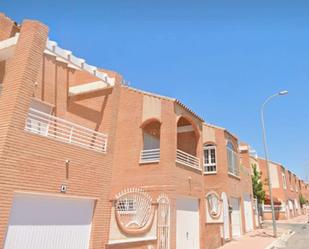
(220, 57)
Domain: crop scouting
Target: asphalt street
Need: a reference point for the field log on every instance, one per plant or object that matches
(300, 240)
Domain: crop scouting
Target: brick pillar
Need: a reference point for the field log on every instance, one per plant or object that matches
(18, 86)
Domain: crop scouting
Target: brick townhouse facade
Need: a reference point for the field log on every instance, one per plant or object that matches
(90, 162)
(52, 140)
(286, 188)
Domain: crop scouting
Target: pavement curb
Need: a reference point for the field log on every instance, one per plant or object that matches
(281, 241)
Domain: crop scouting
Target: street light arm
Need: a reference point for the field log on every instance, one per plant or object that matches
(267, 100)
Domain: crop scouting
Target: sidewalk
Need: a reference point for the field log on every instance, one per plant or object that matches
(261, 238)
(297, 220)
(258, 239)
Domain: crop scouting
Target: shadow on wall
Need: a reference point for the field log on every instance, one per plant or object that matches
(78, 107)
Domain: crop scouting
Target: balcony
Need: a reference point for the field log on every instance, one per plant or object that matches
(150, 156)
(47, 125)
(187, 160)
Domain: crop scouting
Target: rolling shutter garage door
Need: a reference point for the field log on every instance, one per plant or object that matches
(48, 222)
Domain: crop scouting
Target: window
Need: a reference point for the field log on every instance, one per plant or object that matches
(232, 159)
(210, 159)
(151, 142)
(126, 206)
(283, 180)
(290, 180)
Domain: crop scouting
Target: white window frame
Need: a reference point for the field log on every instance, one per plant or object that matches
(210, 167)
(232, 160)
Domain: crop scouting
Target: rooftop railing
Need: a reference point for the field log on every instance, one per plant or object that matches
(186, 159)
(62, 130)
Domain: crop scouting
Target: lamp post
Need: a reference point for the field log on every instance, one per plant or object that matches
(266, 158)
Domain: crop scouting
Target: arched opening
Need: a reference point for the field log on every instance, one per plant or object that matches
(187, 143)
(151, 142)
(186, 137)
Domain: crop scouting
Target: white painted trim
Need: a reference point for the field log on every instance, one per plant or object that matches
(87, 87)
(233, 175)
(186, 128)
(210, 173)
(55, 195)
(66, 56)
(12, 41)
(130, 240)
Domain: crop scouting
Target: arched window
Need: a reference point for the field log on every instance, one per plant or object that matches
(151, 142)
(210, 159)
(232, 159)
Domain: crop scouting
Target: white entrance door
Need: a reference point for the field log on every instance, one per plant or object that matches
(226, 219)
(248, 213)
(38, 221)
(187, 227)
(236, 218)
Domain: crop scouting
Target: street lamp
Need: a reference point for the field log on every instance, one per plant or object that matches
(266, 158)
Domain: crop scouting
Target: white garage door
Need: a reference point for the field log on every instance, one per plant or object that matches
(188, 232)
(236, 218)
(38, 222)
(248, 213)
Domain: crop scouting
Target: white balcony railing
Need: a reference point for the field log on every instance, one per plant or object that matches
(59, 129)
(278, 208)
(150, 156)
(188, 160)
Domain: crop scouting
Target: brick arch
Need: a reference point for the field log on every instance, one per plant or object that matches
(191, 121)
(151, 134)
(150, 120)
(187, 139)
(209, 143)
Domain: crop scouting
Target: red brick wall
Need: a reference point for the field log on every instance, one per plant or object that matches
(7, 27)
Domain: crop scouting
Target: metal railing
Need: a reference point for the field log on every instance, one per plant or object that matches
(186, 159)
(150, 156)
(59, 129)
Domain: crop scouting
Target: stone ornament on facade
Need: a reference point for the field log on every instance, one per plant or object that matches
(163, 222)
(214, 208)
(134, 211)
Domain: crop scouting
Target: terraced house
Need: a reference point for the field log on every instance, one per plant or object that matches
(56, 142)
(89, 162)
(287, 191)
